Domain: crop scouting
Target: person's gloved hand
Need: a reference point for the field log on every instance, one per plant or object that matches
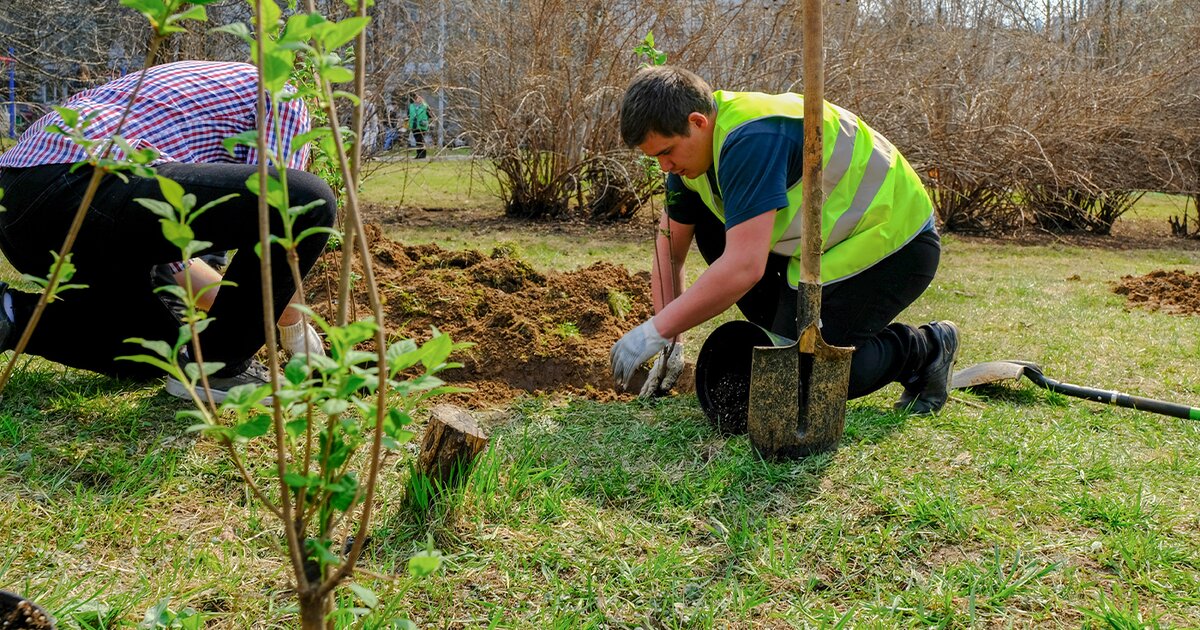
(665, 372)
(301, 337)
(634, 349)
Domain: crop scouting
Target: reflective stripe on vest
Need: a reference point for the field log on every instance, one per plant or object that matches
(874, 201)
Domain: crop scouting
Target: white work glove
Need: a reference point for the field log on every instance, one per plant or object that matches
(300, 338)
(634, 349)
(666, 370)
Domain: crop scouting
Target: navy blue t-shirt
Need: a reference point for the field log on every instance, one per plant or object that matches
(760, 161)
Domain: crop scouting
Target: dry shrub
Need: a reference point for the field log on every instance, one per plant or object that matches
(539, 87)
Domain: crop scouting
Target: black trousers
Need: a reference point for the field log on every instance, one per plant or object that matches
(119, 244)
(419, 139)
(857, 311)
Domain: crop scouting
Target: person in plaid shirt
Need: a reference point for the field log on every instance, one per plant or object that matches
(183, 112)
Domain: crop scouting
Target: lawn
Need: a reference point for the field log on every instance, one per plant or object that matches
(1012, 508)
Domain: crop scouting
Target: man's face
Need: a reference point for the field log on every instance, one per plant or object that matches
(687, 156)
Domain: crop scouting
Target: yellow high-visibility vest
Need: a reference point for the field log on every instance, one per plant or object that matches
(874, 202)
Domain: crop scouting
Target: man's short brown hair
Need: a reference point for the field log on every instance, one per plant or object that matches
(659, 99)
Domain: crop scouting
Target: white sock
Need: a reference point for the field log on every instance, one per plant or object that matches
(8, 307)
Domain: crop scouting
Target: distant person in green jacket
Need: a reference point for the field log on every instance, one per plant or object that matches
(734, 164)
(418, 122)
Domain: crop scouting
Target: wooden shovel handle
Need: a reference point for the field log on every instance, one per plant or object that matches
(808, 297)
(814, 101)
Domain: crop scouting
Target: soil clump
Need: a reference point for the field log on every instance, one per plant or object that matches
(1176, 292)
(533, 332)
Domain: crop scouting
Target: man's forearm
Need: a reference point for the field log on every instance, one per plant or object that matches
(731, 276)
(718, 288)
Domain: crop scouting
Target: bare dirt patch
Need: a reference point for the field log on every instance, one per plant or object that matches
(1176, 292)
(533, 332)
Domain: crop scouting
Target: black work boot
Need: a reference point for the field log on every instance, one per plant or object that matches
(6, 323)
(927, 393)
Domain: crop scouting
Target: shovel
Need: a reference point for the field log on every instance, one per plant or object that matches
(996, 371)
(797, 400)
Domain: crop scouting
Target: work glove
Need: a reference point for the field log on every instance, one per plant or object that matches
(634, 349)
(299, 338)
(664, 373)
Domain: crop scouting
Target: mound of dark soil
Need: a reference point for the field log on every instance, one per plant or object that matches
(1176, 292)
(532, 332)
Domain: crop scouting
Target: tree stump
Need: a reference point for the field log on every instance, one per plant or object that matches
(451, 443)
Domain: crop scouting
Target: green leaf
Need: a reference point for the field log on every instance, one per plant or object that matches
(436, 350)
(171, 191)
(334, 406)
(159, 347)
(344, 492)
(275, 191)
(271, 14)
(277, 67)
(195, 13)
(296, 480)
(368, 597)
(338, 453)
(425, 563)
(257, 426)
(353, 383)
(337, 74)
(393, 425)
(317, 230)
(319, 551)
(173, 289)
(193, 370)
(246, 138)
(243, 396)
(156, 615)
(210, 204)
(340, 33)
(296, 428)
(195, 247)
(194, 414)
(296, 371)
(300, 26)
(309, 136)
(161, 208)
(237, 29)
(70, 117)
(421, 383)
(178, 234)
(350, 96)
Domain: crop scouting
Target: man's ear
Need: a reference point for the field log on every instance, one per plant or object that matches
(701, 121)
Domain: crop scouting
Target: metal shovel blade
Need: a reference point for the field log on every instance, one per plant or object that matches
(990, 372)
(797, 403)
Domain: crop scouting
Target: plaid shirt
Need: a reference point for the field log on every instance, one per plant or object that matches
(183, 111)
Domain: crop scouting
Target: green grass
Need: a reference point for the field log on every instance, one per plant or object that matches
(1160, 207)
(1013, 508)
(459, 183)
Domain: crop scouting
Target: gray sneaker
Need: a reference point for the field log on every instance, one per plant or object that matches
(929, 391)
(256, 374)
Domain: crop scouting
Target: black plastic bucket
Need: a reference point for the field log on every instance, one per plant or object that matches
(723, 372)
(19, 613)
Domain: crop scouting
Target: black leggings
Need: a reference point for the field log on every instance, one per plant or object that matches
(119, 244)
(857, 311)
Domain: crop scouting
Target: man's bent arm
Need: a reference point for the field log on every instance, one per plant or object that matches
(734, 273)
